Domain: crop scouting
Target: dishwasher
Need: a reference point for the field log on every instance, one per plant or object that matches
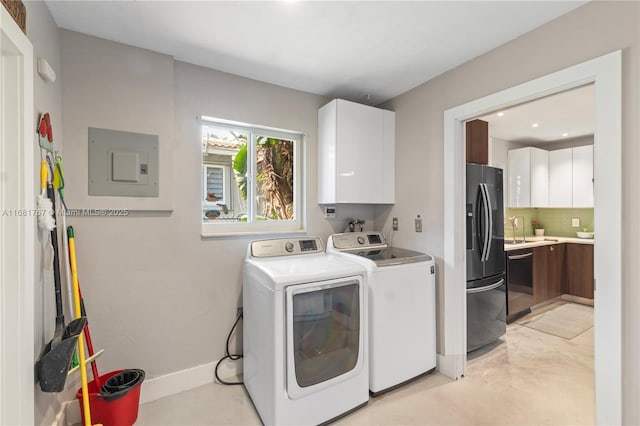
(519, 283)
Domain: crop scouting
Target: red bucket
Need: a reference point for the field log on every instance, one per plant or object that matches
(122, 411)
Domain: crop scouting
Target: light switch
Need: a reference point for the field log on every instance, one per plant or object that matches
(575, 222)
(125, 166)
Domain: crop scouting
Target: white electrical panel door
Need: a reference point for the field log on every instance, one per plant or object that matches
(561, 178)
(539, 163)
(583, 176)
(519, 173)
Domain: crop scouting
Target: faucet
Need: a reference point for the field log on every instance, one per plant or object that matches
(352, 225)
(513, 221)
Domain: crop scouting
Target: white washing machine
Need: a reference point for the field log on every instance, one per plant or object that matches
(305, 339)
(402, 307)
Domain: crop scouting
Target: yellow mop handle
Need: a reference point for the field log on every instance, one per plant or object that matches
(76, 298)
(43, 175)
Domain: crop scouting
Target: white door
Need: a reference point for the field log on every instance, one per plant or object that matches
(325, 334)
(17, 194)
(560, 178)
(583, 176)
(519, 171)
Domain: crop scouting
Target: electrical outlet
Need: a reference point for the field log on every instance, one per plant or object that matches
(330, 212)
(395, 223)
(239, 312)
(418, 224)
(575, 222)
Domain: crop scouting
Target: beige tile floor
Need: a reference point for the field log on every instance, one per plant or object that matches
(528, 378)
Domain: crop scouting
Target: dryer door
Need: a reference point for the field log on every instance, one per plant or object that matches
(325, 334)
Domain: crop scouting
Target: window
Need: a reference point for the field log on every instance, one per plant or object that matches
(251, 179)
(215, 185)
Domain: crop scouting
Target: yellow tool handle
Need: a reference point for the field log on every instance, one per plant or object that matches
(76, 299)
(43, 174)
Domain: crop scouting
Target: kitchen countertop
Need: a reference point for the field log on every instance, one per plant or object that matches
(547, 240)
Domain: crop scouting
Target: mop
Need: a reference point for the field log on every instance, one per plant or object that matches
(58, 183)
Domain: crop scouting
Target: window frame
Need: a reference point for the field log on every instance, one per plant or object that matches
(252, 226)
(226, 185)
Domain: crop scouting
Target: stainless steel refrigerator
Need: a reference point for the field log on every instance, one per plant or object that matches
(486, 286)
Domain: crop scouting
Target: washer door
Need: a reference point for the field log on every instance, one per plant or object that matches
(325, 334)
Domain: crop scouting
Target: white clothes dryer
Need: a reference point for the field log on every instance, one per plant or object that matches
(402, 307)
(304, 332)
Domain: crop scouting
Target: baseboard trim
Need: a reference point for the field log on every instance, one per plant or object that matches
(183, 380)
(162, 386)
(577, 299)
(451, 365)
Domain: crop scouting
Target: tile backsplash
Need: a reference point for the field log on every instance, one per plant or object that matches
(556, 222)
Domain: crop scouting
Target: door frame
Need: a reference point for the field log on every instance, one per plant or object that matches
(17, 271)
(605, 73)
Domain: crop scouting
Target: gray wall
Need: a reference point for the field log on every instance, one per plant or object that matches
(590, 31)
(44, 35)
(159, 296)
(162, 298)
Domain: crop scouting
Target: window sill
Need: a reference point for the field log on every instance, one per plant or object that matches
(239, 234)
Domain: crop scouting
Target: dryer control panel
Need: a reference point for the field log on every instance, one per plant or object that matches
(286, 247)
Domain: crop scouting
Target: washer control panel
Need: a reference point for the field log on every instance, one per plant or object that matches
(286, 247)
(354, 240)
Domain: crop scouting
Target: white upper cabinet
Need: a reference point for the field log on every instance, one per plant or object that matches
(582, 177)
(528, 174)
(560, 178)
(356, 154)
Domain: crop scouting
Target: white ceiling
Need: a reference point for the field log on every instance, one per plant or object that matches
(571, 113)
(363, 51)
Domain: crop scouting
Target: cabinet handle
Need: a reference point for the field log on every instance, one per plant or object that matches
(520, 256)
(552, 248)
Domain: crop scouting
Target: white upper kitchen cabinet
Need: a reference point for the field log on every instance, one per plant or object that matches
(582, 177)
(528, 175)
(356, 154)
(561, 178)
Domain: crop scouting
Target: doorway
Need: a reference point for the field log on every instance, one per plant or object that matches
(17, 224)
(605, 73)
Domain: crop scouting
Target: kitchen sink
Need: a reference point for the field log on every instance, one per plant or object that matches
(515, 241)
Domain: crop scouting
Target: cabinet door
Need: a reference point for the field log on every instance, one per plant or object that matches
(583, 176)
(519, 173)
(477, 141)
(360, 151)
(548, 272)
(540, 266)
(539, 166)
(579, 270)
(555, 270)
(560, 178)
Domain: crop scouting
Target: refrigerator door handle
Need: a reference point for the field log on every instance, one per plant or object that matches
(469, 226)
(485, 288)
(490, 216)
(479, 213)
(487, 223)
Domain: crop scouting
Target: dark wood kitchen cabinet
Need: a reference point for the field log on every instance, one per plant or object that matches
(477, 140)
(548, 272)
(579, 270)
